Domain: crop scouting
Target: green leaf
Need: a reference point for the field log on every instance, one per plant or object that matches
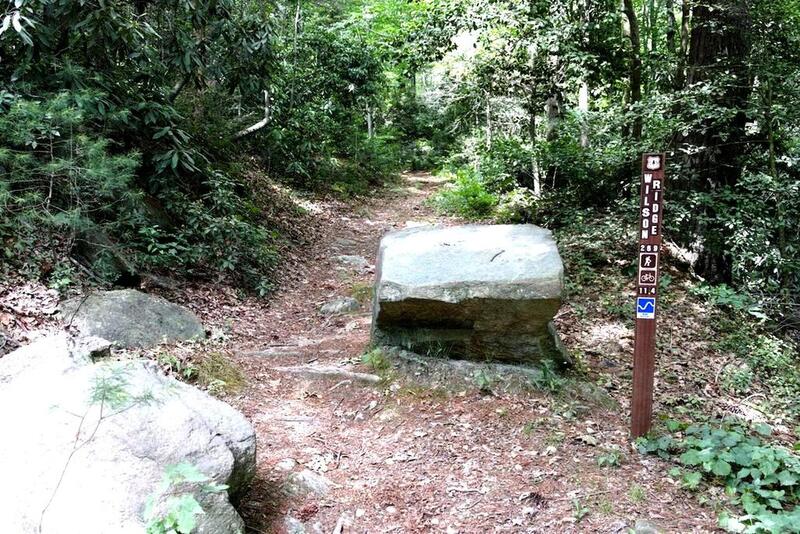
(691, 479)
(721, 468)
(184, 472)
(787, 478)
(691, 457)
(186, 511)
(763, 429)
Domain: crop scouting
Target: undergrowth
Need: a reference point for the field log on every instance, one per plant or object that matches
(760, 478)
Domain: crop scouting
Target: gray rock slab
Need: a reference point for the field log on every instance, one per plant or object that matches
(131, 318)
(457, 375)
(86, 444)
(474, 291)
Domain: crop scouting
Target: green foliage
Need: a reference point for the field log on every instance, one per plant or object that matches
(173, 508)
(377, 360)
(759, 477)
(126, 120)
(591, 243)
(723, 296)
(467, 197)
(484, 380)
(579, 511)
(548, 377)
(610, 458)
(637, 494)
(219, 374)
(184, 368)
(773, 360)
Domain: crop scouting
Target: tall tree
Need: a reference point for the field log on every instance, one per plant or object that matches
(718, 63)
(635, 68)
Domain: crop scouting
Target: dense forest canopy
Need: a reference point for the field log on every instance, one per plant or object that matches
(154, 127)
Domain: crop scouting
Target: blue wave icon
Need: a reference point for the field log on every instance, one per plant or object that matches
(645, 307)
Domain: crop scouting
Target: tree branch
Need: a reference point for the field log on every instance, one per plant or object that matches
(260, 124)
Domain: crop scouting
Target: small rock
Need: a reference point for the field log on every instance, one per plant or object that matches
(360, 513)
(643, 526)
(340, 305)
(344, 242)
(287, 464)
(391, 510)
(294, 526)
(307, 482)
(359, 262)
(618, 527)
(96, 347)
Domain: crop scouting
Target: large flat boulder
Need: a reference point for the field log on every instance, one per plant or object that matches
(473, 291)
(86, 445)
(131, 318)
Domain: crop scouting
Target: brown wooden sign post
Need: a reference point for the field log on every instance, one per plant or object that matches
(644, 352)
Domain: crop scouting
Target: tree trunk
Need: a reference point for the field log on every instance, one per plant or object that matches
(488, 125)
(686, 15)
(635, 70)
(672, 27)
(553, 111)
(718, 54)
(583, 107)
(294, 55)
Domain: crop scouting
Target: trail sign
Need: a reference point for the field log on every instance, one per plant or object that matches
(644, 352)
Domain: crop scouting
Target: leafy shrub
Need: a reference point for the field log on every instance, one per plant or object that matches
(517, 206)
(377, 360)
(467, 197)
(760, 477)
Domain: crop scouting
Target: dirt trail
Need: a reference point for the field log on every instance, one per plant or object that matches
(340, 453)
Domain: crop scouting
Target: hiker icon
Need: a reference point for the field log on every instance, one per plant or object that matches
(648, 261)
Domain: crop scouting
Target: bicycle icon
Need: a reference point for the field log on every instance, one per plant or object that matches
(647, 278)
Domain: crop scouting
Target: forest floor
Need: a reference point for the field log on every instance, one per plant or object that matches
(339, 455)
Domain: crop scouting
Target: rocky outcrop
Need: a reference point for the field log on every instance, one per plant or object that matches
(474, 291)
(131, 318)
(85, 445)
